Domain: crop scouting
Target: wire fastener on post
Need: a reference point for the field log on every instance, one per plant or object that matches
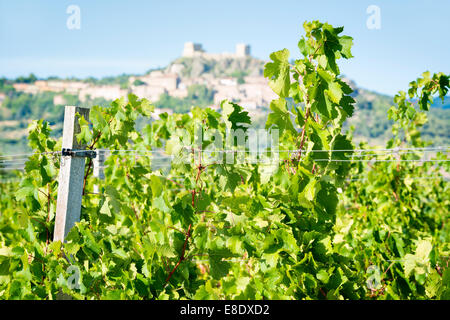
(79, 153)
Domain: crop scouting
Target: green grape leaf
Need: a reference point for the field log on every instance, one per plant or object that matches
(218, 267)
(85, 135)
(280, 117)
(234, 116)
(278, 72)
(334, 92)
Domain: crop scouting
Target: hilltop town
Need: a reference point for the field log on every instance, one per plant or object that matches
(244, 82)
(197, 77)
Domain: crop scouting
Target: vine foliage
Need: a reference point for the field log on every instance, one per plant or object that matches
(202, 229)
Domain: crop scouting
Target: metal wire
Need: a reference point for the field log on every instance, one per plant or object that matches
(384, 160)
(411, 178)
(28, 154)
(391, 150)
(10, 162)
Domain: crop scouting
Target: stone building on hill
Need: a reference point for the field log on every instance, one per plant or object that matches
(192, 49)
(235, 76)
(242, 50)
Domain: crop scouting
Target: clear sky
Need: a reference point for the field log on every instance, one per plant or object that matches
(133, 36)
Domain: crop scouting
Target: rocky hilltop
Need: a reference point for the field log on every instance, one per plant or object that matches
(235, 76)
(195, 78)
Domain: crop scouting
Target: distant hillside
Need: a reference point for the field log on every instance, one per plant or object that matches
(437, 103)
(194, 67)
(371, 124)
(197, 80)
(370, 120)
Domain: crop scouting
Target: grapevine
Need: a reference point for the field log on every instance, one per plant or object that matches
(308, 224)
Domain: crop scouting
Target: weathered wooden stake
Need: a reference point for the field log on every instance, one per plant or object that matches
(71, 176)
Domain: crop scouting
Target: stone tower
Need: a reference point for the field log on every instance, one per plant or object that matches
(242, 50)
(191, 49)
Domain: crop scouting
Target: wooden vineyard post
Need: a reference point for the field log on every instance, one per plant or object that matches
(71, 174)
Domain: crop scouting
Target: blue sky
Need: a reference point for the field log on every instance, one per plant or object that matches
(133, 36)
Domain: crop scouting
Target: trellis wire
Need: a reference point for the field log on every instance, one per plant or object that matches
(411, 178)
(424, 149)
(391, 150)
(17, 161)
(276, 163)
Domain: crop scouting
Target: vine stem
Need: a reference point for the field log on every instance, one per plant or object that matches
(389, 267)
(438, 270)
(96, 139)
(177, 183)
(99, 134)
(200, 169)
(43, 193)
(182, 257)
(86, 175)
(170, 227)
(395, 195)
(303, 137)
(48, 214)
(193, 198)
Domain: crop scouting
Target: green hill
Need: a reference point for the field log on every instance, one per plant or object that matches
(369, 120)
(230, 67)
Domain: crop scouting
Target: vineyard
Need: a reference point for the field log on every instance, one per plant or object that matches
(186, 210)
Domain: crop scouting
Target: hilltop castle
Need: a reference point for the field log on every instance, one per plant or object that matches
(252, 91)
(196, 50)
